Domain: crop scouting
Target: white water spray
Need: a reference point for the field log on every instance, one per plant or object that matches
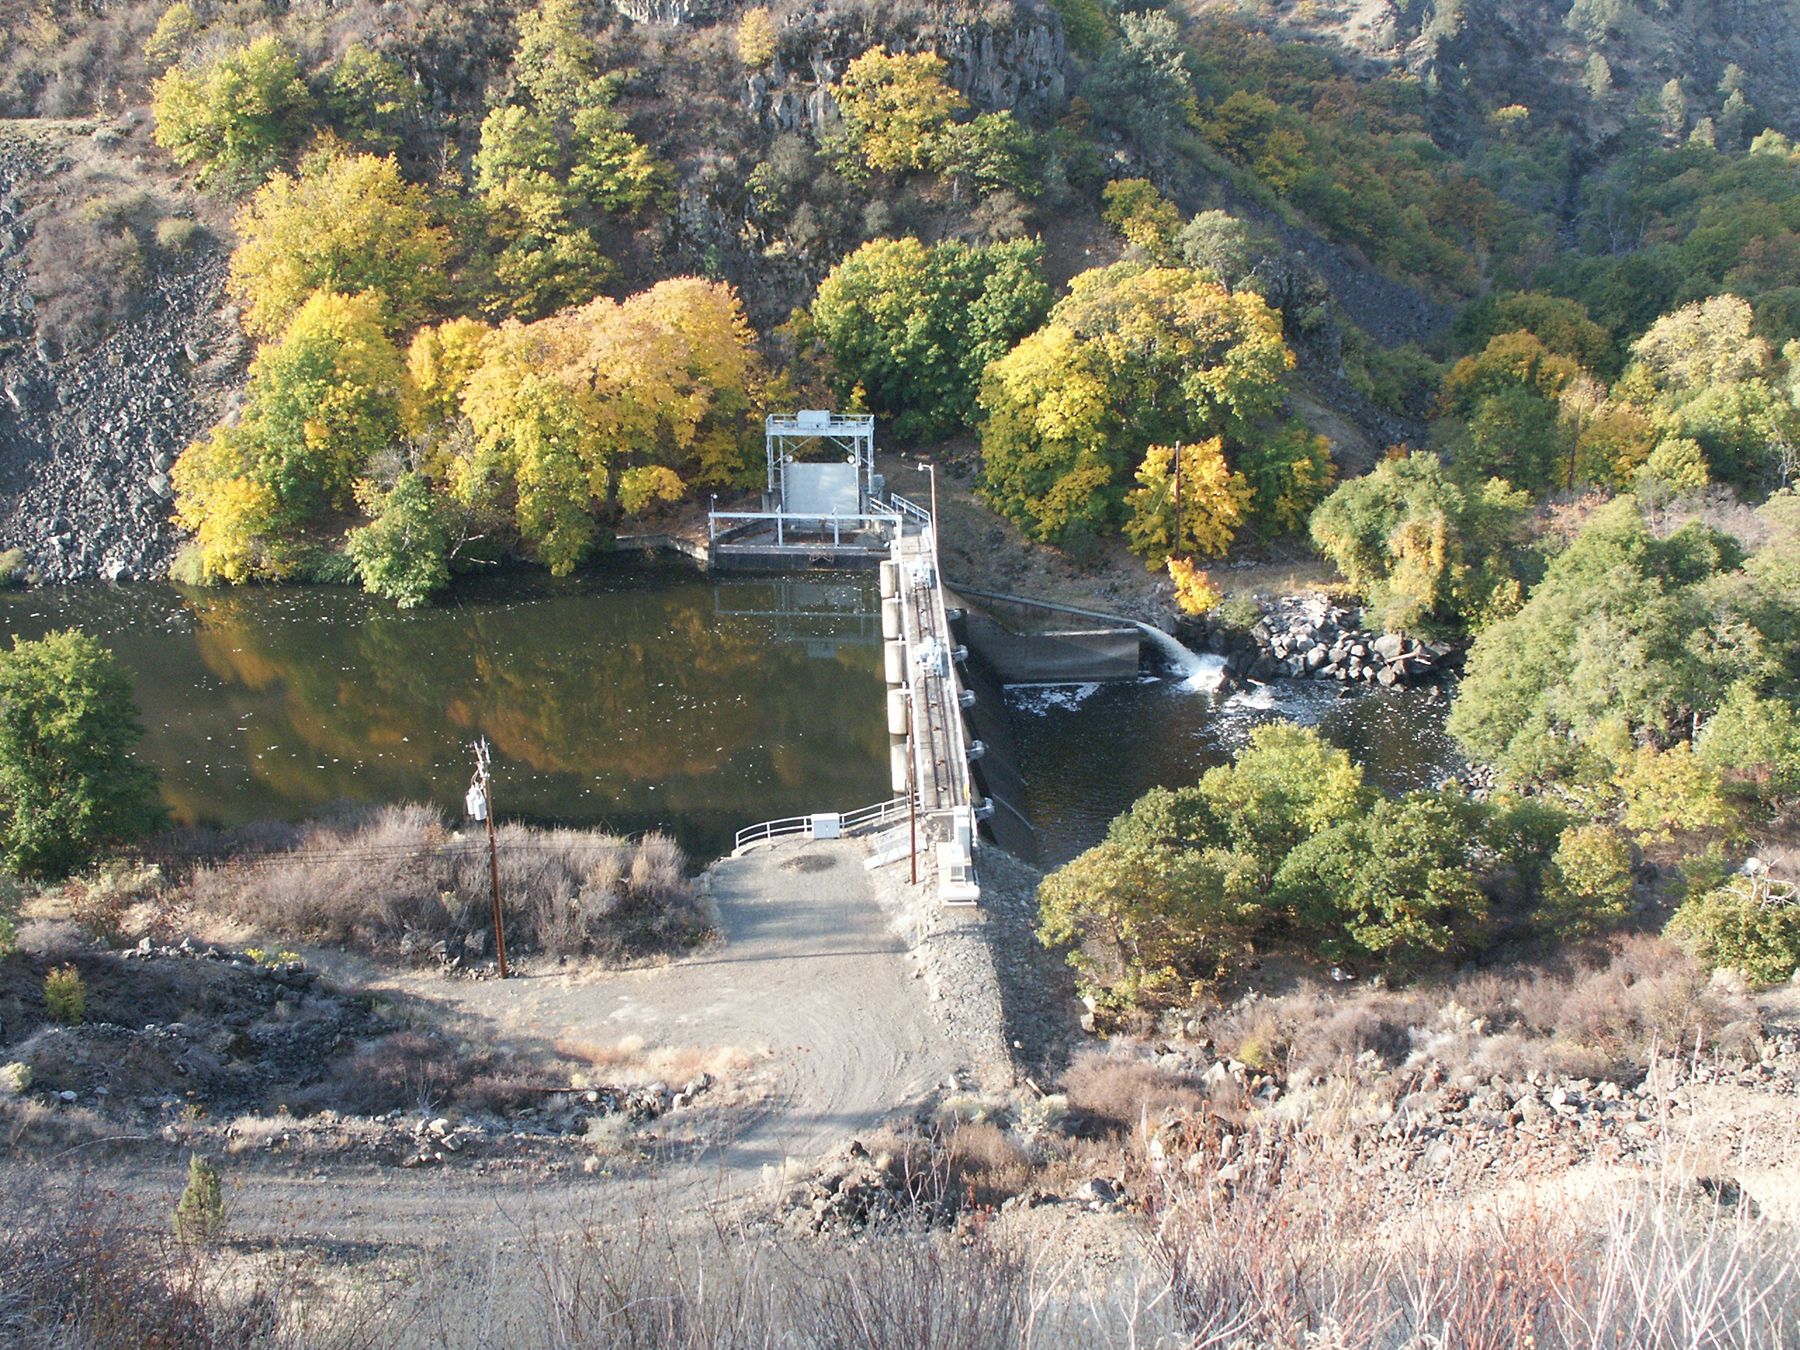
(1201, 672)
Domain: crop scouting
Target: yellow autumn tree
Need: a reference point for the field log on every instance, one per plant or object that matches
(756, 38)
(630, 400)
(319, 404)
(1134, 356)
(347, 223)
(1196, 510)
(896, 108)
(438, 365)
(1194, 591)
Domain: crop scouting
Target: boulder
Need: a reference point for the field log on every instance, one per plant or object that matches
(1390, 645)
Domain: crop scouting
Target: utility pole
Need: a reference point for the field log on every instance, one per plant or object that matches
(481, 806)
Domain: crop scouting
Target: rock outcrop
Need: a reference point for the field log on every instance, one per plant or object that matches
(1310, 638)
(1019, 62)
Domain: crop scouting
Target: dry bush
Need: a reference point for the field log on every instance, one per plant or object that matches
(1293, 1253)
(83, 1274)
(397, 881)
(424, 1071)
(1116, 1093)
(985, 1165)
(1641, 996)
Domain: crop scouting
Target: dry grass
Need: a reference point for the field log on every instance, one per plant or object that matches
(628, 1063)
(86, 1275)
(1291, 1252)
(398, 882)
(427, 1071)
(1603, 1015)
(1114, 1093)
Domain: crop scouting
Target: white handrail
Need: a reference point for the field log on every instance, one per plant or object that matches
(861, 818)
(912, 509)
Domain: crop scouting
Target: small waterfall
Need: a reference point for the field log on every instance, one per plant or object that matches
(1200, 671)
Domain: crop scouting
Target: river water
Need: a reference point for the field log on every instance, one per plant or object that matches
(633, 696)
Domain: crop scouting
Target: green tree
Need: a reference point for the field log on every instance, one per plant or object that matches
(200, 1212)
(1133, 356)
(1756, 737)
(403, 553)
(1514, 435)
(348, 223)
(371, 100)
(555, 161)
(235, 114)
(1620, 639)
(1588, 886)
(1287, 785)
(1220, 243)
(1561, 325)
(1290, 472)
(1150, 916)
(1398, 882)
(1425, 550)
(988, 152)
(69, 786)
(1141, 86)
(914, 327)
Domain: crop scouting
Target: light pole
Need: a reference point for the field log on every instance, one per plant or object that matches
(926, 466)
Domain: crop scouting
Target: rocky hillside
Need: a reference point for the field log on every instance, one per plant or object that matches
(91, 422)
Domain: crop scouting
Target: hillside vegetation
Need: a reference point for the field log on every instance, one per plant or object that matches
(504, 281)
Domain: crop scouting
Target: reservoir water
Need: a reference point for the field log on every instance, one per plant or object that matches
(632, 696)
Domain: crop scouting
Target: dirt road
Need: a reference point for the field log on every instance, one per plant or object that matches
(810, 981)
(810, 978)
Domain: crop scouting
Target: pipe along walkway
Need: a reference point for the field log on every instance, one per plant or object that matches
(929, 748)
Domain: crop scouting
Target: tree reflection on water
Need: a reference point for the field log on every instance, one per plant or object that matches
(628, 696)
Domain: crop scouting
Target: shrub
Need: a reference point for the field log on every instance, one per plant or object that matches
(68, 785)
(65, 998)
(200, 1213)
(12, 566)
(1751, 925)
(177, 234)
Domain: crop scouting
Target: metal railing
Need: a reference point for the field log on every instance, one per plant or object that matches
(802, 524)
(912, 509)
(848, 822)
